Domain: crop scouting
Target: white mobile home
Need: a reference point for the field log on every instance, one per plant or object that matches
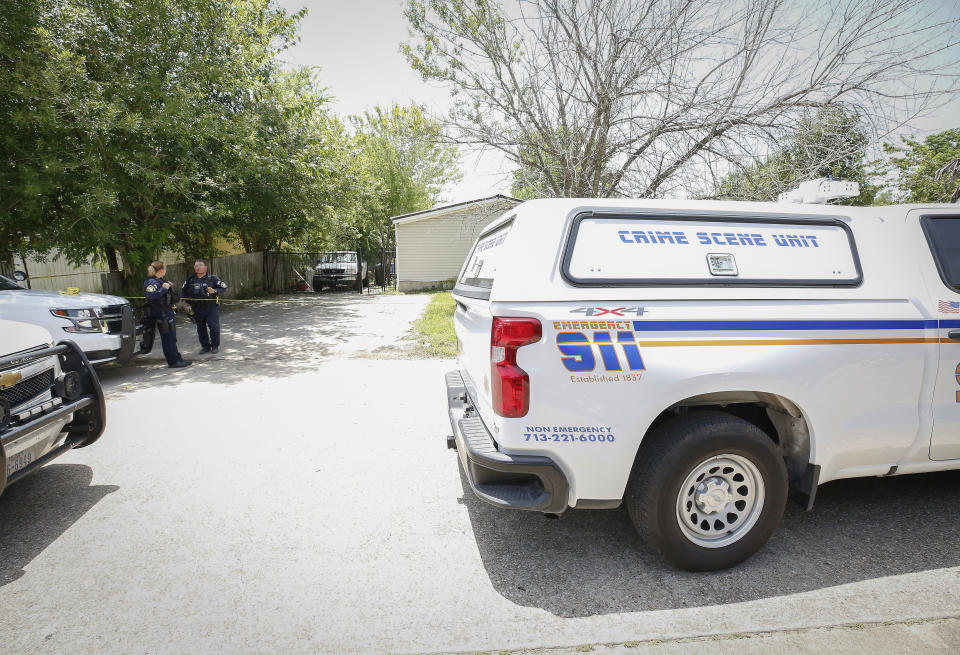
(433, 244)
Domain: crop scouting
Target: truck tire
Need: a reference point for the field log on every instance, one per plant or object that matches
(707, 491)
(317, 285)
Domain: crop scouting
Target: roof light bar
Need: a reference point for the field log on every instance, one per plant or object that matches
(820, 191)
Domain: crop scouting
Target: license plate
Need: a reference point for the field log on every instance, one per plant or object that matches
(25, 459)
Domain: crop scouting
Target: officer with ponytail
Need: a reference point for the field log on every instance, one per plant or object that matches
(160, 302)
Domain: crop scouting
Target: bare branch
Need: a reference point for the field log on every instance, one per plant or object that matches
(641, 97)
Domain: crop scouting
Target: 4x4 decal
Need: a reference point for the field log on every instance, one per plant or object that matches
(604, 311)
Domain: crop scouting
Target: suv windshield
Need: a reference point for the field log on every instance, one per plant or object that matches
(338, 258)
(7, 284)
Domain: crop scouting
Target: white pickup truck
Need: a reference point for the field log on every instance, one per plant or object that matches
(698, 361)
(103, 326)
(338, 268)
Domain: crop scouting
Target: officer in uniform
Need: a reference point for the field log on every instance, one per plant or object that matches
(160, 312)
(206, 290)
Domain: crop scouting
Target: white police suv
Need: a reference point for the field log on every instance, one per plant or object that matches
(102, 326)
(698, 361)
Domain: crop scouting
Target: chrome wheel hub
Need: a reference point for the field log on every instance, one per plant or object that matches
(712, 495)
(720, 501)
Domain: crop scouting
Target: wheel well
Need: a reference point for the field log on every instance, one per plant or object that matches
(778, 417)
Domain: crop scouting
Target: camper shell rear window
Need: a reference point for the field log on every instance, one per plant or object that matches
(481, 266)
(636, 249)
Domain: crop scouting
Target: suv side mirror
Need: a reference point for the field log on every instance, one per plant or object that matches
(19, 276)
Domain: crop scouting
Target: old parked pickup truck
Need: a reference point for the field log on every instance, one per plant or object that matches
(339, 268)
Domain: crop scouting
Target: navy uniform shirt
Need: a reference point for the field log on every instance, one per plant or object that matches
(158, 299)
(196, 287)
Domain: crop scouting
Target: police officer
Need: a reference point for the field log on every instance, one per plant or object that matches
(160, 311)
(206, 289)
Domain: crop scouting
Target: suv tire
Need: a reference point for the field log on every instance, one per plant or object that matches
(707, 491)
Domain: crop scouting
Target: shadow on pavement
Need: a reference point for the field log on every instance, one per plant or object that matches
(35, 511)
(592, 561)
(273, 339)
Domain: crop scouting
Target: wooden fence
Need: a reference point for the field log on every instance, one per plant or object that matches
(56, 273)
(243, 274)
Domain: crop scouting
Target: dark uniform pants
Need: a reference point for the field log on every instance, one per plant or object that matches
(208, 319)
(168, 339)
(167, 327)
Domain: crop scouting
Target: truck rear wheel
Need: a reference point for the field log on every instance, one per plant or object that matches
(708, 490)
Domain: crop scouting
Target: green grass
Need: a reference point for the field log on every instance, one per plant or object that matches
(434, 330)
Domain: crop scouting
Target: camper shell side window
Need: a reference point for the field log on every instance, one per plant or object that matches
(665, 249)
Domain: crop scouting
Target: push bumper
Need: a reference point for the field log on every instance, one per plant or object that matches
(85, 403)
(529, 482)
(128, 335)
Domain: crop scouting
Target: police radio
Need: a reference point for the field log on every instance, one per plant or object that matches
(171, 298)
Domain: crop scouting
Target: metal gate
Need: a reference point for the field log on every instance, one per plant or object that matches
(288, 272)
(384, 266)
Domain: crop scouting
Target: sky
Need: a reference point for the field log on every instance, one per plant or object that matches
(355, 43)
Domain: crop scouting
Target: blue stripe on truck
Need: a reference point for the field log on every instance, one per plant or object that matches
(708, 326)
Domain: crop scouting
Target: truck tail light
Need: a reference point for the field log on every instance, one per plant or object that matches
(511, 384)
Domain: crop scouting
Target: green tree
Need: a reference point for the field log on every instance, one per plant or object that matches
(128, 119)
(829, 142)
(35, 176)
(139, 128)
(409, 162)
(292, 168)
(916, 164)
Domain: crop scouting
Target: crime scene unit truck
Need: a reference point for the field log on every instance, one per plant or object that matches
(699, 361)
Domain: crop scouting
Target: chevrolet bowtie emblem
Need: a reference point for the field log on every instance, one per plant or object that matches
(9, 379)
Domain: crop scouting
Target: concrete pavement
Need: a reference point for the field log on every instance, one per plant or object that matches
(293, 494)
(890, 637)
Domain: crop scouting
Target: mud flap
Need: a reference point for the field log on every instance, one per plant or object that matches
(803, 490)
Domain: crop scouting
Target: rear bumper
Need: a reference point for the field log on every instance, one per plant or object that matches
(529, 482)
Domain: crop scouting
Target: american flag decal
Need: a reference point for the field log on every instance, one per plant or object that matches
(949, 307)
